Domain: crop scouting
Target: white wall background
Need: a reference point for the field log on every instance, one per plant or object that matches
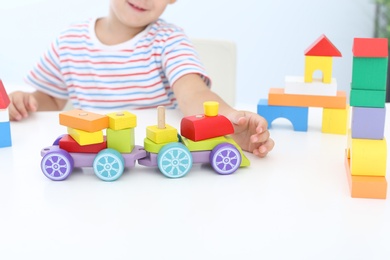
(271, 35)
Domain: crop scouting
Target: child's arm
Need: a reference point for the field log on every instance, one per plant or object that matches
(22, 103)
(250, 129)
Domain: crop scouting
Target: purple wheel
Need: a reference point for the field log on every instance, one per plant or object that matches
(225, 158)
(57, 165)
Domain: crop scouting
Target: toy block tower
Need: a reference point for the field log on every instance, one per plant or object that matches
(300, 93)
(120, 131)
(5, 127)
(366, 153)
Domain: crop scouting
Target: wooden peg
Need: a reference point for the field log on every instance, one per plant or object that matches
(161, 117)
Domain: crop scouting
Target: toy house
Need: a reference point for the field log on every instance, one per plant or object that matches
(300, 93)
(366, 153)
(5, 128)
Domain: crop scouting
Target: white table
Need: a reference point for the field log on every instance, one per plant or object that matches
(294, 204)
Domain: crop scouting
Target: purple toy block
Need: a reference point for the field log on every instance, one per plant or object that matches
(368, 123)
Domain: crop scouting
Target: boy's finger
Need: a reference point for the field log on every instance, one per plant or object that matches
(32, 104)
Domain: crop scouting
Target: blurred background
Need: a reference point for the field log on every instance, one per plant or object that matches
(271, 36)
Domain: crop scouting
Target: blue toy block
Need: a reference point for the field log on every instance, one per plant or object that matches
(298, 116)
(368, 122)
(5, 134)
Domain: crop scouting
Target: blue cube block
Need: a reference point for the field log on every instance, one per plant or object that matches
(5, 134)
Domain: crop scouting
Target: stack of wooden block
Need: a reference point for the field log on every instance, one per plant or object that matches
(5, 128)
(300, 93)
(366, 153)
(86, 131)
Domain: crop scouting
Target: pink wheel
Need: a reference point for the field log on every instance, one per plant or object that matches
(225, 158)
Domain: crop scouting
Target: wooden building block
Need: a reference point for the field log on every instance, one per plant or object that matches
(322, 47)
(70, 145)
(370, 47)
(121, 120)
(121, 140)
(297, 85)
(4, 99)
(83, 120)
(368, 157)
(5, 134)
(368, 123)
(369, 73)
(298, 116)
(4, 115)
(165, 135)
(323, 64)
(153, 147)
(335, 120)
(211, 108)
(201, 127)
(84, 137)
(367, 98)
(277, 97)
(370, 187)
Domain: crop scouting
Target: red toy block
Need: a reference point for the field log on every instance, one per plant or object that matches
(83, 120)
(4, 99)
(70, 145)
(370, 47)
(201, 127)
(322, 47)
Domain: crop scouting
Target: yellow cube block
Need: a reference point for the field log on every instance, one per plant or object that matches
(165, 135)
(86, 138)
(321, 63)
(121, 120)
(368, 157)
(335, 121)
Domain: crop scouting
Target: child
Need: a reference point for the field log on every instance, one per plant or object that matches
(130, 59)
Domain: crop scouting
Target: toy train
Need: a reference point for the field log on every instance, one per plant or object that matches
(203, 138)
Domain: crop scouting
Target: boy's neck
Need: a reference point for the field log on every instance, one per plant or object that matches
(112, 32)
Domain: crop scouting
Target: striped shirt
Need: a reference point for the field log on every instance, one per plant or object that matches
(135, 74)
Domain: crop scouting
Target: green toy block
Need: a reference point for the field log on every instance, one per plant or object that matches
(367, 98)
(369, 73)
(121, 140)
(153, 147)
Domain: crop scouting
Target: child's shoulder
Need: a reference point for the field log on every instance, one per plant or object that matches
(162, 26)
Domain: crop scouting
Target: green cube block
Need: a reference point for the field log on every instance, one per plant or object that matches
(121, 140)
(367, 98)
(369, 73)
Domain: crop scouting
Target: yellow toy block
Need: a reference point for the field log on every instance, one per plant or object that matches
(83, 120)
(211, 108)
(370, 187)
(84, 137)
(368, 157)
(162, 135)
(121, 140)
(322, 63)
(151, 146)
(335, 121)
(121, 120)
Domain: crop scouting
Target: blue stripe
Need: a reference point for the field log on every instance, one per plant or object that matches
(121, 94)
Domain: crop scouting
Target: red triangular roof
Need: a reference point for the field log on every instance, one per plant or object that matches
(370, 47)
(4, 99)
(322, 47)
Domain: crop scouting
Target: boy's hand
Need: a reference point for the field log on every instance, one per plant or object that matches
(251, 133)
(21, 104)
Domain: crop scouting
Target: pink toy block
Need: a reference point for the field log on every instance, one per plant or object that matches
(4, 99)
(322, 47)
(370, 47)
(368, 123)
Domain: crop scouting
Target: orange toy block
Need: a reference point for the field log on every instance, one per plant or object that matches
(83, 120)
(201, 127)
(370, 47)
(70, 145)
(277, 97)
(322, 47)
(370, 187)
(4, 99)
